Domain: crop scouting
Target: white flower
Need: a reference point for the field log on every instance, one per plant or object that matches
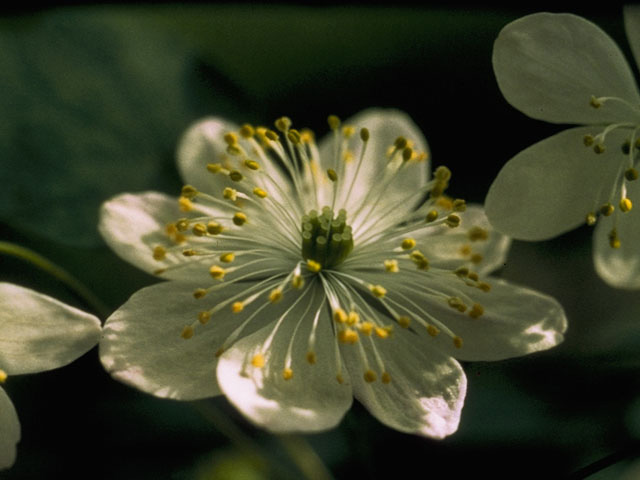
(563, 69)
(39, 333)
(295, 308)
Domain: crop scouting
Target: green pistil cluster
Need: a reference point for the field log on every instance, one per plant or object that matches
(325, 239)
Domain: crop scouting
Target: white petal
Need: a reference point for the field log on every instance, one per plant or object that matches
(549, 188)
(632, 27)
(453, 247)
(620, 267)
(40, 333)
(549, 65)
(427, 388)
(9, 431)
(312, 400)
(384, 127)
(516, 321)
(203, 143)
(142, 344)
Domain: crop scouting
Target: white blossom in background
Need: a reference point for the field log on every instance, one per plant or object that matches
(39, 333)
(564, 69)
(301, 275)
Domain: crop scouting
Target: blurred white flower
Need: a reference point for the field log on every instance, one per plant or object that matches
(39, 333)
(308, 274)
(564, 69)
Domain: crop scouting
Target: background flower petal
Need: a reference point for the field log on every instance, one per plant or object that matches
(312, 400)
(9, 431)
(427, 388)
(40, 333)
(548, 188)
(384, 127)
(620, 267)
(632, 27)
(549, 65)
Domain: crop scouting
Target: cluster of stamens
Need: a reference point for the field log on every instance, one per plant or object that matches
(256, 229)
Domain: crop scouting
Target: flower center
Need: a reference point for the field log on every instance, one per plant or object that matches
(326, 240)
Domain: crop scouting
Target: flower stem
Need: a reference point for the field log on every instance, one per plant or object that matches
(59, 273)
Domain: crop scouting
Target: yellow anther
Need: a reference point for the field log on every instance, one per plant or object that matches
(214, 228)
(631, 174)
(473, 276)
(407, 153)
(599, 148)
(594, 102)
(607, 209)
(275, 295)
(353, 318)
(400, 143)
(408, 243)
(391, 266)
(230, 193)
(453, 220)
(187, 332)
(370, 376)
(3, 376)
(159, 253)
(237, 307)
(348, 336)
(214, 167)
(235, 176)
(331, 173)
(313, 266)
(457, 342)
(348, 131)
(230, 138)
(217, 272)
(442, 173)
(347, 156)
(294, 137)
(476, 258)
(271, 135)
(385, 377)
(283, 124)
(258, 192)
(311, 358)
(204, 317)
(431, 216)
(433, 331)
(227, 257)
(588, 140)
(465, 250)
(404, 321)
(287, 373)
(258, 360)
(188, 191)
(340, 316)
(297, 281)
(461, 271)
(239, 219)
(476, 310)
(307, 135)
(334, 122)
(185, 204)
(199, 293)
(456, 303)
(378, 290)
(199, 230)
(477, 233)
(366, 328)
(614, 240)
(382, 332)
(419, 259)
(340, 378)
(484, 286)
(591, 219)
(625, 205)
(189, 252)
(247, 131)
(459, 205)
(251, 164)
(445, 202)
(364, 134)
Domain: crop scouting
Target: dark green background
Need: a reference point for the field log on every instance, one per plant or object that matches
(93, 101)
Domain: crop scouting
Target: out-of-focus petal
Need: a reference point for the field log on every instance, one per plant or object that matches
(9, 431)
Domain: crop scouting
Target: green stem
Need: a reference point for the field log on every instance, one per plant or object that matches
(58, 272)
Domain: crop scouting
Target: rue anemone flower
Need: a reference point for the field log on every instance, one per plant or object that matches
(302, 274)
(564, 69)
(39, 333)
